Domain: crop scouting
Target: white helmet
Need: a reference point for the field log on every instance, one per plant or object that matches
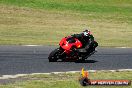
(86, 32)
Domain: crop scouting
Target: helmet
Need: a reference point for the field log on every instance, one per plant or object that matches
(86, 32)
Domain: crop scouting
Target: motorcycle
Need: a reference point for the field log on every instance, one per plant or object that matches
(71, 50)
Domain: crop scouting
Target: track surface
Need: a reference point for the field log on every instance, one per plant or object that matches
(33, 59)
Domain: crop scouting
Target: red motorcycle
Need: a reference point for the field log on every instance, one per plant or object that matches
(71, 50)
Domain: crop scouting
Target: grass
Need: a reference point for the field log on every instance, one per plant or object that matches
(66, 80)
(45, 22)
(76, 5)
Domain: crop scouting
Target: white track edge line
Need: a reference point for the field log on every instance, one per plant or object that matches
(32, 45)
(123, 47)
(20, 75)
(44, 45)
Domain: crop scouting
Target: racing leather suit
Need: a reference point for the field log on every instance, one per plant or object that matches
(86, 41)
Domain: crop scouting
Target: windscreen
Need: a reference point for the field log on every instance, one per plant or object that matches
(71, 40)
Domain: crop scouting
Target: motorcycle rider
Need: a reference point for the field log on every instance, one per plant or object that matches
(86, 39)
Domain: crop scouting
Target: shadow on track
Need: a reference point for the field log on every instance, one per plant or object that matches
(84, 61)
(87, 61)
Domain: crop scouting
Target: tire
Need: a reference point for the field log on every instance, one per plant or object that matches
(53, 56)
(84, 81)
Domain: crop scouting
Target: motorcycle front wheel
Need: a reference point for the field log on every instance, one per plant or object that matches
(54, 56)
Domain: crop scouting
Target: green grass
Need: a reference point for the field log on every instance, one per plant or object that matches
(76, 5)
(45, 22)
(68, 80)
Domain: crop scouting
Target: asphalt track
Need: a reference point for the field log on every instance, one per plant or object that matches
(33, 59)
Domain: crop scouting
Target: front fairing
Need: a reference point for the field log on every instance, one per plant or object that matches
(67, 45)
